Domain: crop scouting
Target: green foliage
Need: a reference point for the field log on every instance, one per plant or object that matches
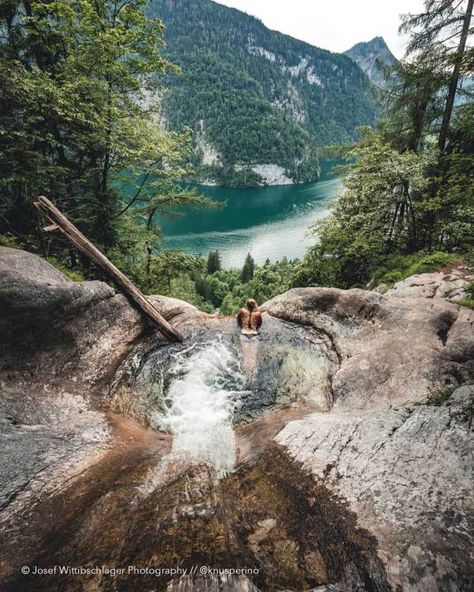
(74, 79)
(73, 274)
(438, 398)
(9, 240)
(396, 203)
(375, 215)
(224, 289)
(408, 190)
(439, 35)
(399, 267)
(433, 262)
(80, 123)
(243, 91)
(248, 269)
(183, 288)
(467, 302)
(213, 262)
(469, 289)
(414, 98)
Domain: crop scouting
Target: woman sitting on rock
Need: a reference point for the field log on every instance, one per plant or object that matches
(250, 319)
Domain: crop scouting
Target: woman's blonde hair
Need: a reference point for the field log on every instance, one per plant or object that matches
(252, 304)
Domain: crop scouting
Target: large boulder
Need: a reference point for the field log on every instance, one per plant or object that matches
(391, 350)
(395, 445)
(61, 343)
(55, 329)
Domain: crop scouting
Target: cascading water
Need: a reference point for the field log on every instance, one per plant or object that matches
(198, 409)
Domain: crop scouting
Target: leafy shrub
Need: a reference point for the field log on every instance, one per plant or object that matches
(73, 274)
(8, 240)
(433, 262)
(399, 267)
(437, 398)
(469, 289)
(468, 302)
(392, 277)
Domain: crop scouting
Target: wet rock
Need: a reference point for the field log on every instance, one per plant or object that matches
(202, 527)
(261, 533)
(407, 474)
(44, 437)
(309, 374)
(222, 583)
(464, 395)
(61, 343)
(290, 365)
(315, 566)
(54, 327)
(371, 492)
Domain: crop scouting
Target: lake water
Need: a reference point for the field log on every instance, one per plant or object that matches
(267, 222)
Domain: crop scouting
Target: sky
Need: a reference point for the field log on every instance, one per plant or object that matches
(333, 24)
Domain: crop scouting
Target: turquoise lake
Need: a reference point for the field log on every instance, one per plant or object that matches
(267, 222)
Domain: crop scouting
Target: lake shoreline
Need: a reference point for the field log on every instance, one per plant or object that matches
(269, 222)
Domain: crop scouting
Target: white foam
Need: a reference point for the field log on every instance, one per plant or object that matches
(199, 408)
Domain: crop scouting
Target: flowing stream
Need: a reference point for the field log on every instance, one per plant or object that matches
(200, 405)
(208, 488)
(205, 391)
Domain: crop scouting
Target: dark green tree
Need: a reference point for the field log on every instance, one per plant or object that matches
(80, 123)
(412, 102)
(213, 262)
(78, 80)
(247, 269)
(440, 33)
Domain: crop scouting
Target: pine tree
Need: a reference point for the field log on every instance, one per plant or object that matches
(412, 101)
(440, 33)
(213, 262)
(248, 269)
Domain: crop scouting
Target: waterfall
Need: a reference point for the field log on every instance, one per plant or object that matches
(199, 405)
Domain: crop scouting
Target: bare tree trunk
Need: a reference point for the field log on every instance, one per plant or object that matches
(149, 248)
(453, 85)
(60, 222)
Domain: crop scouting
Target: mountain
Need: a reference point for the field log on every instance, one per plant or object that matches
(368, 54)
(260, 103)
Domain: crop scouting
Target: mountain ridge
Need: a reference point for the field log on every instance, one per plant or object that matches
(368, 54)
(260, 103)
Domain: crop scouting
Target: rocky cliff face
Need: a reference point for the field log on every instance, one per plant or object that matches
(348, 450)
(368, 55)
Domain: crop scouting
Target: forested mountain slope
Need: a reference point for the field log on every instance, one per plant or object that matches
(255, 96)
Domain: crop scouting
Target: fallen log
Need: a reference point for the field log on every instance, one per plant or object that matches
(60, 222)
